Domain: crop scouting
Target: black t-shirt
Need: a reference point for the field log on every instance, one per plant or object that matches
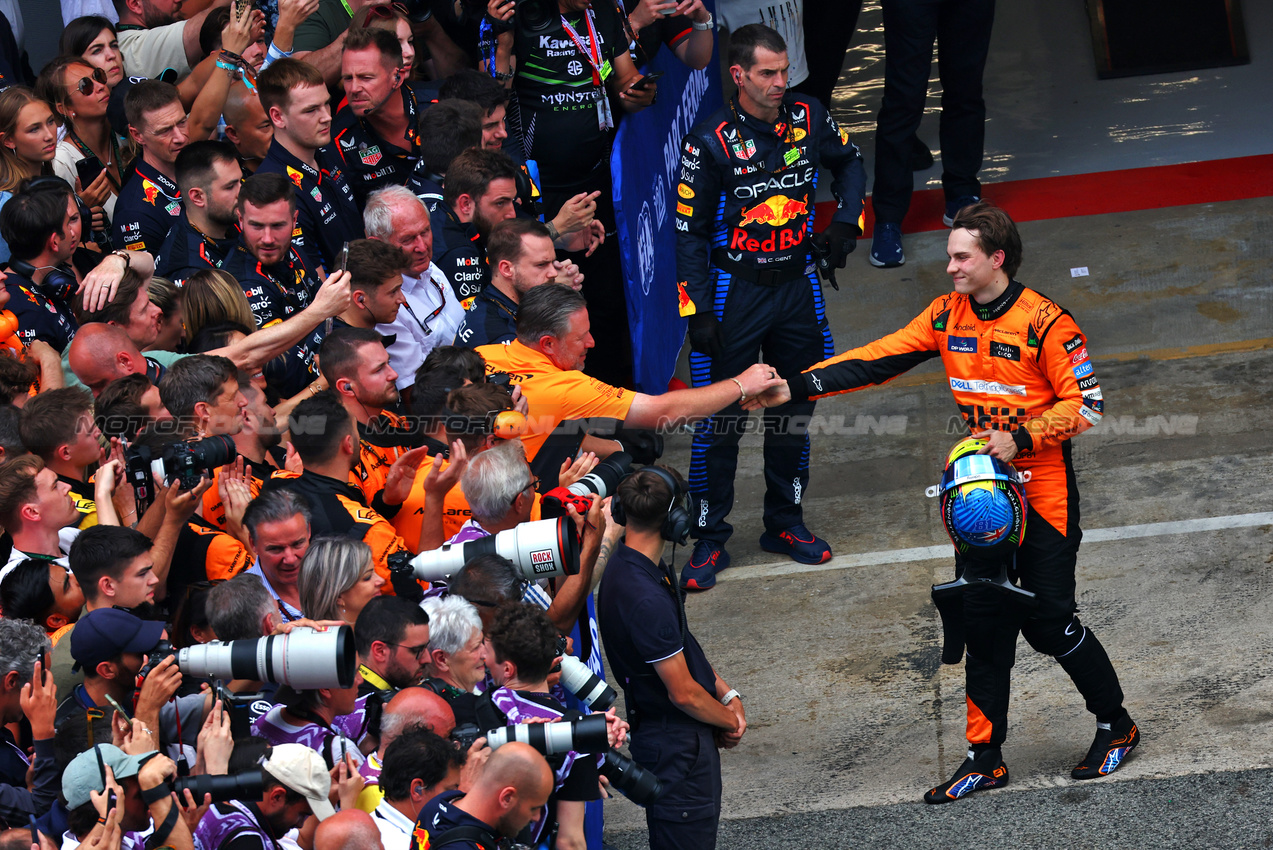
(557, 95)
(640, 625)
(440, 815)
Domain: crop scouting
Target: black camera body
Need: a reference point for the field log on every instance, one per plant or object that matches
(248, 785)
(184, 462)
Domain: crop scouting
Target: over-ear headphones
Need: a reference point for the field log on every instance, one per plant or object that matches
(676, 524)
(59, 283)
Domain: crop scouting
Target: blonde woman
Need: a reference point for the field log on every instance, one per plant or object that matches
(28, 141)
(384, 16)
(337, 579)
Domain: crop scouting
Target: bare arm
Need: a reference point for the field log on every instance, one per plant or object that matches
(190, 35)
(688, 695)
(447, 56)
(259, 347)
(652, 411)
(242, 30)
(326, 60)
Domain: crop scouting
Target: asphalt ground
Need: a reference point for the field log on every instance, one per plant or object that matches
(851, 715)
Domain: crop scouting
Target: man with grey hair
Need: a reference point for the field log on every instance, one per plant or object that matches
(22, 645)
(242, 609)
(457, 651)
(500, 490)
(278, 524)
(547, 361)
(433, 312)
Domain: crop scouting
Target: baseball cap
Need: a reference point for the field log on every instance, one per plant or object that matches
(102, 634)
(303, 770)
(84, 774)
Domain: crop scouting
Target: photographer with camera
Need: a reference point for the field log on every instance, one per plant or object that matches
(297, 784)
(680, 709)
(323, 719)
(509, 794)
(419, 765)
(139, 785)
(112, 648)
(327, 441)
(523, 645)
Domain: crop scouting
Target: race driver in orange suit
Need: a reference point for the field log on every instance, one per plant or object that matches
(745, 241)
(1020, 371)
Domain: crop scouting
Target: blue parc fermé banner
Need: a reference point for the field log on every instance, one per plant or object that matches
(646, 165)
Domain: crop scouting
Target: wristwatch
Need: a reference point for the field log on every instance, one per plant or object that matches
(128, 261)
(705, 25)
(731, 695)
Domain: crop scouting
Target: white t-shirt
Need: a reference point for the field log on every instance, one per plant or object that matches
(150, 52)
(784, 16)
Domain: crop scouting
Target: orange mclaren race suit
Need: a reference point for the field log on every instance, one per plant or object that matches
(744, 221)
(1019, 364)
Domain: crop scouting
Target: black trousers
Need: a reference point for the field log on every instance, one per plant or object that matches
(686, 761)
(786, 326)
(961, 29)
(1045, 565)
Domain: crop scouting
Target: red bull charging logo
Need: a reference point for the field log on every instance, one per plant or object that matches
(776, 211)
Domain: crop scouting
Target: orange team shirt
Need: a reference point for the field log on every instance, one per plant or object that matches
(455, 509)
(1027, 370)
(214, 508)
(374, 461)
(555, 395)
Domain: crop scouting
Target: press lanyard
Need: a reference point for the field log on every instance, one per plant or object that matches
(600, 71)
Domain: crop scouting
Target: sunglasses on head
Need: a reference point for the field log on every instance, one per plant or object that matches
(386, 11)
(85, 85)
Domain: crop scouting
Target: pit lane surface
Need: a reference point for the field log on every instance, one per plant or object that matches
(851, 715)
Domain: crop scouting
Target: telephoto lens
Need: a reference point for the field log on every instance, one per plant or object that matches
(587, 735)
(631, 779)
(305, 659)
(248, 785)
(590, 688)
(600, 483)
(541, 549)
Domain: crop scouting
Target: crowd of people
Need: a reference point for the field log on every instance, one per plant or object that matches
(299, 290)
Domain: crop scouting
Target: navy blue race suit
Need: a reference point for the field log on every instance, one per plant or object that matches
(327, 215)
(744, 217)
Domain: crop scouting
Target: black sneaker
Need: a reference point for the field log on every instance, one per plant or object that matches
(977, 773)
(1108, 750)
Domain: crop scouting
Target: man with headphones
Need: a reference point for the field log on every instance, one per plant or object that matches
(376, 127)
(679, 708)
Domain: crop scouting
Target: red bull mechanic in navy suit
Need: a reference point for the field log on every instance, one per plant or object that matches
(747, 283)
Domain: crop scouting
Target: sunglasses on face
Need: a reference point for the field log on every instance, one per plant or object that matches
(85, 85)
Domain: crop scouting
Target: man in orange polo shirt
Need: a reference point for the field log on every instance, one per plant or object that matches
(546, 361)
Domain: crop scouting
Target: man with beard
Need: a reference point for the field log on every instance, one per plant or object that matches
(296, 101)
(432, 311)
(276, 278)
(480, 191)
(356, 366)
(208, 177)
(522, 257)
(391, 635)
(376, 126)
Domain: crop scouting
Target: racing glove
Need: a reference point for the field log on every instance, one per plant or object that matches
(837, 241)
(705, 335)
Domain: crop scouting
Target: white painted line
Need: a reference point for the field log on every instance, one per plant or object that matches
(931, 553)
